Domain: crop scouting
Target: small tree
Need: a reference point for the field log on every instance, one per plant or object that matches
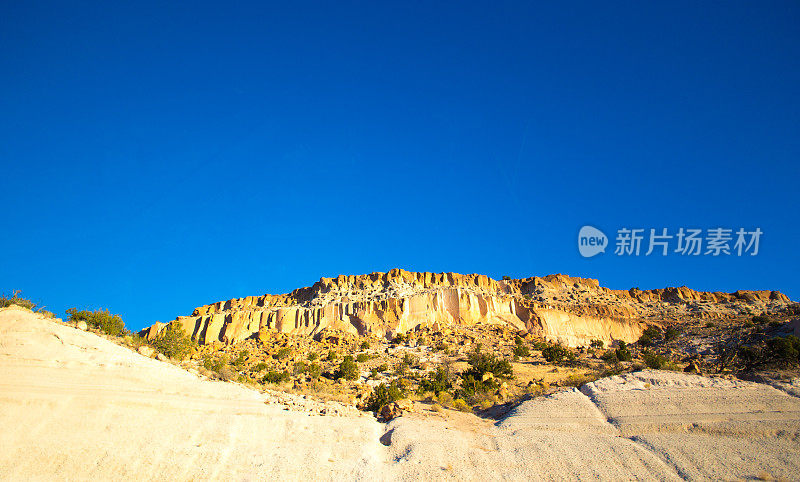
(348, 369)
(173, 342)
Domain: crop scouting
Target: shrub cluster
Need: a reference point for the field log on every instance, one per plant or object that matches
(173, 342)
(348, 369)
(558, 354)
(15, 299)
(100, 319)
(383, 394)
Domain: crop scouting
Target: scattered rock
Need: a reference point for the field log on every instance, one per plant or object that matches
(147, 351)
(390, 411)
(81, 325)
(161, 357)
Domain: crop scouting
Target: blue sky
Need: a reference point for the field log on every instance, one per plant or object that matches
(158, 157)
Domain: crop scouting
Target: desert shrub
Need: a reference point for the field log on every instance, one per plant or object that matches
(653, 360)
(482, 363)
(575, 380)
(442, 346)
(436, 382)
(100, 319)
(227, 373)
(383, 367)
(445, 399)
(362, 357)
(348, 369)
(557, 354)
(670, 333)
(622, 353)
(710, 324)
(240, 360)
(610, 356)
(410, 360)
(314, 370)
(173, 342)
(383, 394)
(276, 377)
(283, 353)
(521, 350)
(214, 364)
(313, 356)
(645, 340)
(365, 345)
(761, 319)
(300, 367)
(506, 278)
(399, 339)
(596, 344)
(261, 366)
(775, 324)
(461, 405)
(784, 349)
(401, 369)
(652, 332)
(15, 299)
(332, 355)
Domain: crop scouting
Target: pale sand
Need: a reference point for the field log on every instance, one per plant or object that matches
(75, 406)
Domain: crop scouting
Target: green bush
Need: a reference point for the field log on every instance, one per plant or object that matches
(482, 363)
(276, 377)
(283, 353)
(670, 333)
(362, 357)
(261, 366)
(300, 368)
(784, 349)
(461, 405)
(410, 360)
(383, 394)
(596, 344)
(521, 350)
(653, 360)
(557, 354)
(383, 367)
(622, 353)
(436, 382)
(173, 342)
(761, 319)
(652, 332)
(365, 345)
(332, 355)
(610, 356)
(100, 319)
(348, 369)
(313, 356)
(240, 361)
(15, 299)
(645, 340)
(314, 370)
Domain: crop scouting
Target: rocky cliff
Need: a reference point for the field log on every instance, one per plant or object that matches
(572, 311)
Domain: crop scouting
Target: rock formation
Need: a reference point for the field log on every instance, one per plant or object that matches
(569, 310)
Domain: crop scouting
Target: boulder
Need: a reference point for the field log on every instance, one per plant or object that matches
(81, 325)
(390, 411)
(147, 351)
(161, 357)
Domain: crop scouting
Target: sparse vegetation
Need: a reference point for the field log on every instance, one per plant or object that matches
(348, 369)
(173, 342)
(99, 319)
(362, 357)
(383, 394)
(558, 354)
(15, 299)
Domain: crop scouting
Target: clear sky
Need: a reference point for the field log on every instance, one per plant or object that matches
(159, 157)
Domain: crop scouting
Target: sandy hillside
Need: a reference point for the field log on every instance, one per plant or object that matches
(75, 406)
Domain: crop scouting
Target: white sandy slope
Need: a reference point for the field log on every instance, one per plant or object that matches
(75, 406)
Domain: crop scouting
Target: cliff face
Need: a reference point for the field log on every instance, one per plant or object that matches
(569, 310)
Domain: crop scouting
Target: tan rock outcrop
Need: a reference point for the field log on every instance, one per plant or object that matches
(560, 308)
